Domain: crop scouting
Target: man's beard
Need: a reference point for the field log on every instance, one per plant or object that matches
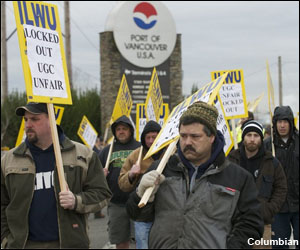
(33, 138)
(251, 147)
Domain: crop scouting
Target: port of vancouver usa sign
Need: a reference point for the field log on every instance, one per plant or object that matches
(144, 32)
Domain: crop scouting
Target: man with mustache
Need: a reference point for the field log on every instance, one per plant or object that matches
(267, 171)
(201, 200)
(286, 143)
(35, 213)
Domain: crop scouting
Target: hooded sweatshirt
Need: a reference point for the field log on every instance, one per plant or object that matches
(125, 183)
(151, 126)
(119, 154)
(288, 155)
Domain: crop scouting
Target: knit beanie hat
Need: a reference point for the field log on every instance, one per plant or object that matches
(252, 126)
(203, 113)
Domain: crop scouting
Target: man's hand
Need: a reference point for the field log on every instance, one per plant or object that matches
(67, 199)
(106, 172)
(153, 178)
(134, 171)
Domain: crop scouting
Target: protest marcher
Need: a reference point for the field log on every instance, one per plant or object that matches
(119, 224)
(267, 171)
(201, 200)
(132, 172)
(98, 148)
(35, 213)
(286, 144)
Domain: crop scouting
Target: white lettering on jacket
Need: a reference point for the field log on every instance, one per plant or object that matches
(44, 180)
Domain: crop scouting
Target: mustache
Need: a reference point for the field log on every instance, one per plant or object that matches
(189, 148)
(30, 130)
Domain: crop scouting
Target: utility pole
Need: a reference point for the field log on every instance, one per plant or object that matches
(4, 86)
(68, 40)
(280, 81)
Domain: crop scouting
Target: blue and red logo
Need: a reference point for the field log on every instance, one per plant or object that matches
(145, 15)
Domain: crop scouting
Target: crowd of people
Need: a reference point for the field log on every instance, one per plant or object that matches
(202, 199)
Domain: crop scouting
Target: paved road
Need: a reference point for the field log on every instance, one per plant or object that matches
(98, 233)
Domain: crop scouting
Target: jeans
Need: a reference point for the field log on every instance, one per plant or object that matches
(281, 228)
(142, 230)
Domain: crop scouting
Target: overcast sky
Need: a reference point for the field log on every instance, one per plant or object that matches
(215, 36)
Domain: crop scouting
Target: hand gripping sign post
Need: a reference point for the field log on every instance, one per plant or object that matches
(44, 64)
(122, 106)
(233, 96)
(169, 133)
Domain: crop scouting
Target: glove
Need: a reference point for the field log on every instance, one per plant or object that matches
(149, 180)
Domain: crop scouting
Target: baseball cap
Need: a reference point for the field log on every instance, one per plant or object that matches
(32, 107)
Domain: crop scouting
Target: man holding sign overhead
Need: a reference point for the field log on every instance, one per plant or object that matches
(203, 200)
(35, 213)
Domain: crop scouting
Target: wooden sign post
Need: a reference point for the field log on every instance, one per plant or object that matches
(56, 146)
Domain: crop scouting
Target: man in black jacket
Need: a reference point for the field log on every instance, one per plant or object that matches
(286, 143)
(119, 223)
(205, 201)
(267, 171)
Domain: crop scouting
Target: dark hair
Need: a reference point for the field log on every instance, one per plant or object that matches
(187, 120)
(250, 115)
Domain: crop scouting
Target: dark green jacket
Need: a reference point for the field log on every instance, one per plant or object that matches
(85, 178)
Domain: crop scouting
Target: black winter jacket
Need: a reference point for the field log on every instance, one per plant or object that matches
(270, 181)
(288, 155)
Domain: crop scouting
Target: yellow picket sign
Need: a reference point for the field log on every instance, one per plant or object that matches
(169, 131)
(207, 94)
(271, 102)
(223, 126)
(232, 93)
(87, 132)
(154, 98)
(271, 99)
(42, 52)
(253, 105)
(141, 118)
(123, 103)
